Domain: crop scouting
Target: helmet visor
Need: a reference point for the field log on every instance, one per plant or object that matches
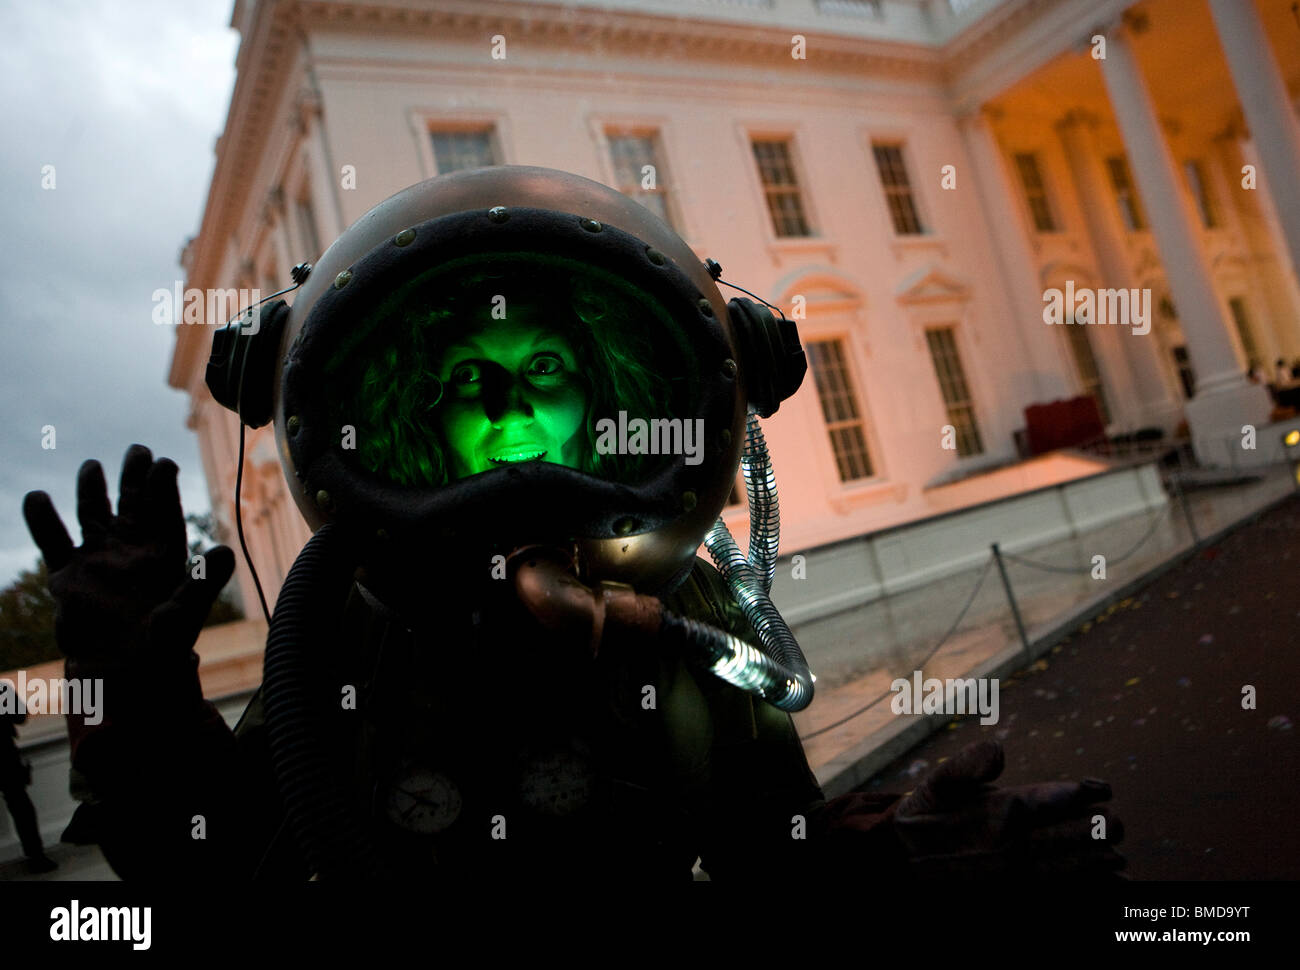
(492, 360)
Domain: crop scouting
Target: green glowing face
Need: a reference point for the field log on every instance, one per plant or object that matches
(513, 393)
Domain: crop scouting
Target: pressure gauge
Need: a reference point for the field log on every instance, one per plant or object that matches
(423, 801)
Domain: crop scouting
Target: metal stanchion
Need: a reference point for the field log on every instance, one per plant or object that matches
(1011, 598)
(1181, 496)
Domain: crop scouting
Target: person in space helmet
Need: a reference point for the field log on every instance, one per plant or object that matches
(511, 403)
(504, 367)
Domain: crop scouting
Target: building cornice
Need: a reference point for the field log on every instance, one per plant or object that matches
(624, 31)
(1014, 39)
(976, 40)
(264, 59)
(268, 51)
(273, 38)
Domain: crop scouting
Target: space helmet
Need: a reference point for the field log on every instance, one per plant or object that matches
(511, 355)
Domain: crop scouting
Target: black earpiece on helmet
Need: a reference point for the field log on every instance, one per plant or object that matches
(245, 352)
(772, 359)
(241, 368)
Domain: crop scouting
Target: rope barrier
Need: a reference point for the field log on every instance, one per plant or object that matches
(988, 563)
(1079, 571)
(1034, 564)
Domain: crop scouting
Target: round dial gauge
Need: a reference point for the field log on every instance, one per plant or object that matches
(423, 801)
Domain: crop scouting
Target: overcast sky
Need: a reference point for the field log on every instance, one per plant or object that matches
(125, 98)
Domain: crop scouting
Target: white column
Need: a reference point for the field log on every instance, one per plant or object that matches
(1225, 401)
(1150, 392)
(1284, 292)
(226, 425)
(210, 451)
(1241, 216)
(1024, 293)
(285, 257)
(247, 589)
(324, 180)
(282, 512)
(1267, 108)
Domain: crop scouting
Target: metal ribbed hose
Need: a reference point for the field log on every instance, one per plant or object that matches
(738, 663)
(764, 507)
(788, 685)
(780, 668)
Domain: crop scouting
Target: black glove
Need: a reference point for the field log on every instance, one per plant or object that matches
(129, 612)
(128, 609)
(957, 825)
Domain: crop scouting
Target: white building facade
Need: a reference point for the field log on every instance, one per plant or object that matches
(907, 178)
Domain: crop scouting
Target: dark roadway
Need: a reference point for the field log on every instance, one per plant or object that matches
(1148, 696)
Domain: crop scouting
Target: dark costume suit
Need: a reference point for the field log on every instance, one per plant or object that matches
(486, 748)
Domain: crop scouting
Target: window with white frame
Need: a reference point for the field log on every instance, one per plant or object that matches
(458, 149)
(1031, 180)
(1244, 330)
(839, 402)
(1200, 190)
(639, 171)
(1186, 375)
(956, 392)
(1130, 206)
(903, 211)
(781, 186)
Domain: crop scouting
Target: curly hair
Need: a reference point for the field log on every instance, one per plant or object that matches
(396, 390)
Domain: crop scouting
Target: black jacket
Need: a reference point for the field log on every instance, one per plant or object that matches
(472, 756)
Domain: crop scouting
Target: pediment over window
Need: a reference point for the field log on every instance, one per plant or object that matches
(821, 292)
(827, 294)
(932, 285)
(1056, 274)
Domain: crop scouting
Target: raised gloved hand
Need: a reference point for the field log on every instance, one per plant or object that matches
(128, 608)
(128, 612)
(958, 825)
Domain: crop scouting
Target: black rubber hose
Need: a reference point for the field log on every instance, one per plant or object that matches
(308, 612)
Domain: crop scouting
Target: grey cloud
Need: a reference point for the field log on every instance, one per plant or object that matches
(126, 101)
